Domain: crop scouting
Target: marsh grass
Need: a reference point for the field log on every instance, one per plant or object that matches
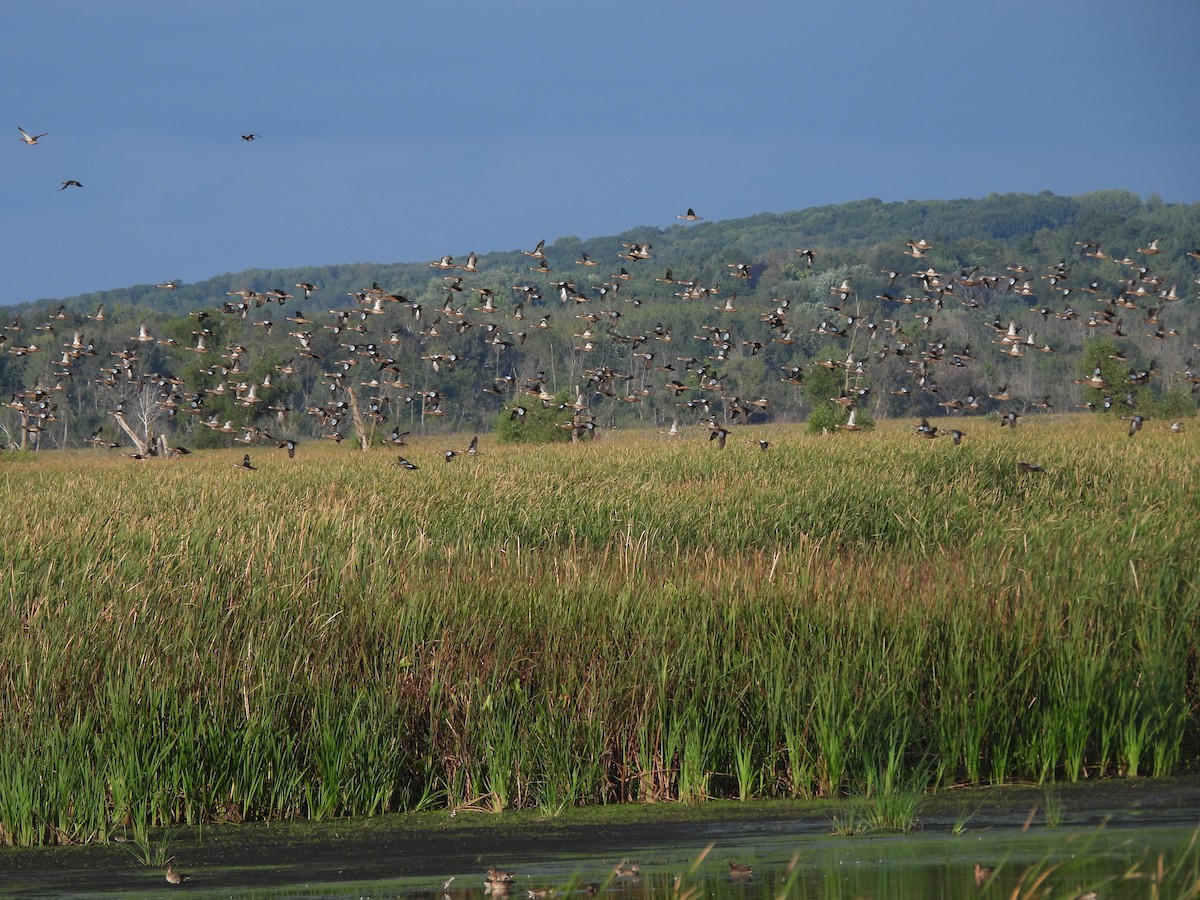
(149, 851)
(1053, 809)
(1157, 875)
(895, 809)
(682, 889)
(626, 620)
(962, 819)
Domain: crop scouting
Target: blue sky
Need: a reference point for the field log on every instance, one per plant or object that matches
(397, 132)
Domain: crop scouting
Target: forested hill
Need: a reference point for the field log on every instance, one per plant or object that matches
(993, 231)
(1005, 306)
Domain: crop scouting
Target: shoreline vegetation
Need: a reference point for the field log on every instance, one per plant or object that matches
(631, 620)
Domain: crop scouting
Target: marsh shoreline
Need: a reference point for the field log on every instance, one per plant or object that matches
(425, 848)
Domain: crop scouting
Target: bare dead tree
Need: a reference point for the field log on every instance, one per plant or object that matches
(147, 404)
(360, 428)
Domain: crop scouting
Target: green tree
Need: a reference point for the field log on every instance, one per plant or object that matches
(1096, 366)
(534, 422)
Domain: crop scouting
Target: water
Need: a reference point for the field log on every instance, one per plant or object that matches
(1106, 832)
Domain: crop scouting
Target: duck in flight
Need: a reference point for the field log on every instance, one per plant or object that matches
(30, 139)
(718, 434)
(70, 183)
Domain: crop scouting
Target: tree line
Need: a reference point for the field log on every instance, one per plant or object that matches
(892, 309)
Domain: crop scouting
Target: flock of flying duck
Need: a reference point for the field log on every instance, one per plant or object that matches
(697, 386)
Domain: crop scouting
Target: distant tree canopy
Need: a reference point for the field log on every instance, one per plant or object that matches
(917, 308)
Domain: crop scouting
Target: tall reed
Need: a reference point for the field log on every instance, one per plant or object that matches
(629, 620)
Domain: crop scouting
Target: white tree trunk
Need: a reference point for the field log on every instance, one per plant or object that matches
(137, 441)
